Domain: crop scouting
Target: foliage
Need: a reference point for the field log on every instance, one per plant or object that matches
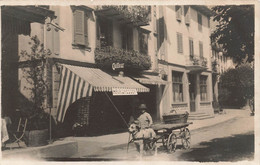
(235, 31)
(214, 65)
(133, 60)
(239, 82)
(36, 84)
(135, 14)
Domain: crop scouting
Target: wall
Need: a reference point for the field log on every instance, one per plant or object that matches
(188, 31)
(65, 39)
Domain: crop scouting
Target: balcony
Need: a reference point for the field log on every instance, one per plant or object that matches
(133, 61)
(196, 64)
(136, 15)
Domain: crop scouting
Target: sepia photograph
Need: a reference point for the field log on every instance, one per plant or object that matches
(127, 82)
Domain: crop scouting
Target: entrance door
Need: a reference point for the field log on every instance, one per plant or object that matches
(192, 92)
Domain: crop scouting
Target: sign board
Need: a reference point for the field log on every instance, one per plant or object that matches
(121, 91)
(117, 66)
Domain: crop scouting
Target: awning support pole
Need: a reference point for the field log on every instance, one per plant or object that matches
(116, 109)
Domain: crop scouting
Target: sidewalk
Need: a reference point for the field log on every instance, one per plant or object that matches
(77, 146)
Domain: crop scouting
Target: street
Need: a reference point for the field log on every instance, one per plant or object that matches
(231, 141)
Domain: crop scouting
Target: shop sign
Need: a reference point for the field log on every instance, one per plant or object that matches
(117, 66)
(121, 91)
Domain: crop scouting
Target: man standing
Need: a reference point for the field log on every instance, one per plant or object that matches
(144, 118)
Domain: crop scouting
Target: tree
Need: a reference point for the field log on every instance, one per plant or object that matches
(235, 32)
(238, 85)
(36, 85)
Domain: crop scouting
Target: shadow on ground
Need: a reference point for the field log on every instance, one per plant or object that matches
(235, 148)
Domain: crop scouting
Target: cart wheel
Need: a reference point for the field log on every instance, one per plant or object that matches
(171, 144)
(186, 138)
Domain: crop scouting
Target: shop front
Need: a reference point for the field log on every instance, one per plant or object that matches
(107, 101)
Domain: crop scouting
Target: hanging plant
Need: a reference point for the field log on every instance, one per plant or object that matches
(135, 14)
(133, 60)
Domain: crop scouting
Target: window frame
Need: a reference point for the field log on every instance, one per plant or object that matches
(179, 98)
(203, 85)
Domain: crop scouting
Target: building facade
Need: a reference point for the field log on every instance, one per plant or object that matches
(167, 55)
(184, 54)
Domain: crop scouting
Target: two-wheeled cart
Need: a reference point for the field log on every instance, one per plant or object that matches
(168, 134)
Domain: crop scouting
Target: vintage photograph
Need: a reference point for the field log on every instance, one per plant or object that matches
(128, 82)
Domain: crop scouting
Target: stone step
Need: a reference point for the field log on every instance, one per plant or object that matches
(200, 117)
(196, 115)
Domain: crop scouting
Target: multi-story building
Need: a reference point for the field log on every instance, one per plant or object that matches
(86, 41)
(164, 51)
(184, 54)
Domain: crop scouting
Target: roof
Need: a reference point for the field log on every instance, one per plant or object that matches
(203, 9)
(103, 82)
(28, 13)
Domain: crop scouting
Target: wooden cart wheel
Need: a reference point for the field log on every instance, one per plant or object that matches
(185, 138)
(171, 143)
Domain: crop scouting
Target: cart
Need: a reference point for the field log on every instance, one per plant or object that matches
(168, 134)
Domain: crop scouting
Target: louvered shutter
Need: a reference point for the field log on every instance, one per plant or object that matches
(199, 22)
(79, 37)
(179, 43)
(86, 30)
(187, 14)
(191, 47)
(201, 48)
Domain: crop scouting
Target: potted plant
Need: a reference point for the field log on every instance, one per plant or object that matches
(35, 87)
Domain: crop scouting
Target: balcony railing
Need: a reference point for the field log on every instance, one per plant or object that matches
(132, 60)
(196, 63)
(137, 15)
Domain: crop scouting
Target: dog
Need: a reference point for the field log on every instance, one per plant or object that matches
(143, 139)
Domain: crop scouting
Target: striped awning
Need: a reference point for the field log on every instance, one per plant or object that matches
(103, 82)
(151, 79)
(77, 82)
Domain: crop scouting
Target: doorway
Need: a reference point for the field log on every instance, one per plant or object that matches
(192, 92)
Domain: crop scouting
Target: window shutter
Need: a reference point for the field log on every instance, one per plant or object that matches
(201, 48)
(86, 29)
(179, 43)
(178, 11)
(191, 47)
(187, 14)
(79, 27)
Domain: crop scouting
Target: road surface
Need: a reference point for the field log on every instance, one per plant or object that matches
(229, 141)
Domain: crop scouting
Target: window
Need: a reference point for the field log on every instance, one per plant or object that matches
(199, 22)
(179, 43)
(80, 18)
(178, 10)
(201, 48)
(203, 88)
(104, 32)
(191, 47)
(187, 14)
(127, 38)
(177, 87)
(208, 22)
(143, 42)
